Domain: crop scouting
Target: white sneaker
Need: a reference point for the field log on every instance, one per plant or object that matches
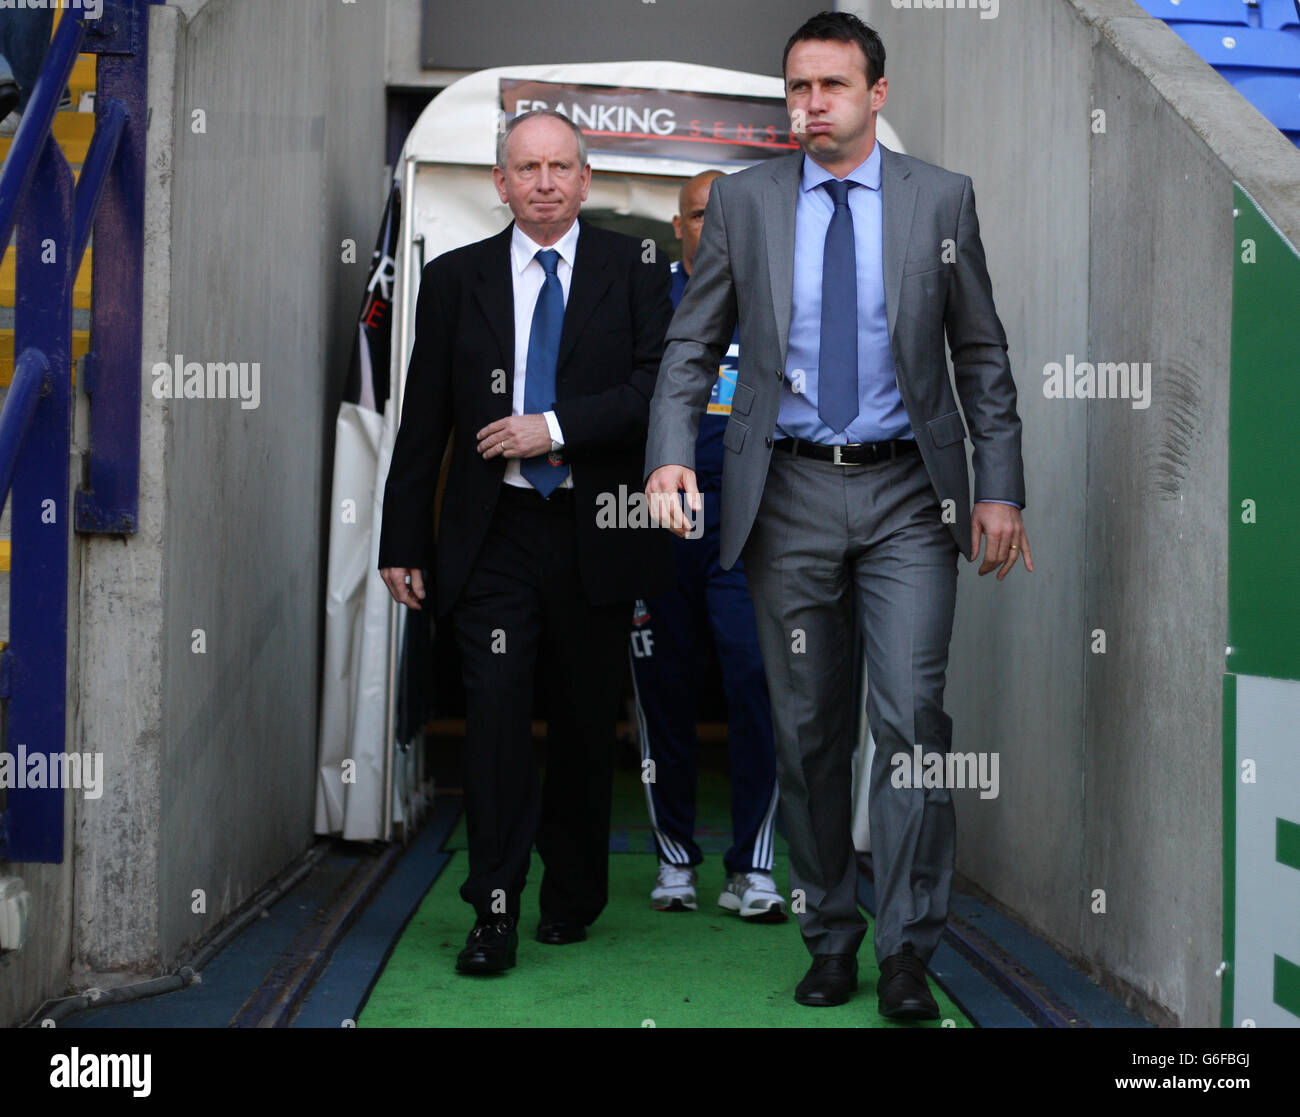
(9, 125)
(753, 895)
(674, 888)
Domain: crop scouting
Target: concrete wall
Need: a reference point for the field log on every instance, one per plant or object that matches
(1108, 246)
(288, 167)
(29, 975)
(402, 64)
(210, 758)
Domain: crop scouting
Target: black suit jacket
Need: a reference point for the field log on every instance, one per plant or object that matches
(461, 378)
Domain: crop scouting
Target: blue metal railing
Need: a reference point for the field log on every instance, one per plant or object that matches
(55, 223)
(38, 121)
(25, 391)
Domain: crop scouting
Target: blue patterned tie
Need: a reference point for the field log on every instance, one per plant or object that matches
(837, 362)
(539, 371)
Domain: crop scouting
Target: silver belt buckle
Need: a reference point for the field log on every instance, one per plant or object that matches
(838, 453)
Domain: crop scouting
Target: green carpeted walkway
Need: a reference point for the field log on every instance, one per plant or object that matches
(638, 968)
(629, 820)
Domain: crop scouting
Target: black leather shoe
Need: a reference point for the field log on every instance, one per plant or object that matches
(829, 981)
(490, 947)
(556, 932)
(902, 989)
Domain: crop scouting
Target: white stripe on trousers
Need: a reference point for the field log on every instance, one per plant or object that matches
(764, 844)
(677, 855)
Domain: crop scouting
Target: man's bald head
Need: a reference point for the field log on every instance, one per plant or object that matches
(691, 202)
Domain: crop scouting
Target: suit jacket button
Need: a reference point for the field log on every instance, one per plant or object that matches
(768, 441)
(780, 374)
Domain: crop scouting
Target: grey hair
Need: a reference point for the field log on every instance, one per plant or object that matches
(503, 136)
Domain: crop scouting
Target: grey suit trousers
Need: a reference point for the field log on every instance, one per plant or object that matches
(833, 547)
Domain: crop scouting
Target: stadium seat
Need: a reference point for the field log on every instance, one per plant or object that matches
(1262, 63)
(1278, 98)
(1279, 15)
(1238, 51)
(1233, 13)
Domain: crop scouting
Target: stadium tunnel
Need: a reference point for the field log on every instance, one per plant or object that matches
(222, 646)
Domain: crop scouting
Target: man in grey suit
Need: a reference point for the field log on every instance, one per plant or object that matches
(845, 482)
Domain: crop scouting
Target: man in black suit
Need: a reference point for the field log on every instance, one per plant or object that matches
(538, 349)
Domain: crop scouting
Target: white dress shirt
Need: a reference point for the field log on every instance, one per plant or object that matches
(528, 276)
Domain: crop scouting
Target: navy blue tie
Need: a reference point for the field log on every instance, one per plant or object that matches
(837, 361)
(539, 370)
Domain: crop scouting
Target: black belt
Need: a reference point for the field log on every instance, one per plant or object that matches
(858, 453)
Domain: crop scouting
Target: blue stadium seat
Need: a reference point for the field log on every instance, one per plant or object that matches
(1279, 15)
(1231, 12)
(1278, 98)
(1238, 51)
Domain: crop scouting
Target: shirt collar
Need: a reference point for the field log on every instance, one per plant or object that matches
(523, 248)
(866, 173)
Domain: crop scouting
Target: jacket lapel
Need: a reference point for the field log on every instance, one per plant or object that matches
(494, 290)
(898, 202)
(591, 278)
(781, 193)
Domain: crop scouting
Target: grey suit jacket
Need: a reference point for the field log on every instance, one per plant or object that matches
(744, 270)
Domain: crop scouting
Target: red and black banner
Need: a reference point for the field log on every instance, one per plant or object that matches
(367, 382)
(709, 128)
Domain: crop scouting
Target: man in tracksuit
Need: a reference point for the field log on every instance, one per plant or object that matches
(664, 634)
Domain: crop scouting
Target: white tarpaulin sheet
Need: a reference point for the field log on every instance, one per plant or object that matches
(356, 637)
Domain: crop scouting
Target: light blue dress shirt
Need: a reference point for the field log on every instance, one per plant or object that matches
(881, 414)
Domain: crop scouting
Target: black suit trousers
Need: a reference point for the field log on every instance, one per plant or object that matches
(523, 615)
